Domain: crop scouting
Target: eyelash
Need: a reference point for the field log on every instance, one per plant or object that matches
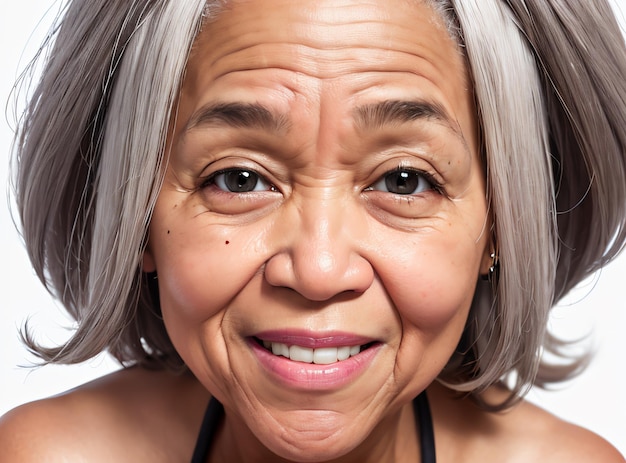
(214, 180)
(418, 175)
(246, 174)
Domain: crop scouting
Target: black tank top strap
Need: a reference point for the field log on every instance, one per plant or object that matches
(210, 423)
(424, 423)
(215, 412)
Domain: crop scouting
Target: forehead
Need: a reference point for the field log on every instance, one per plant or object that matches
(326, 38)
(326, 51)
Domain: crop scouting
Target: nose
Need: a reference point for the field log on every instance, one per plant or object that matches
(322, 251)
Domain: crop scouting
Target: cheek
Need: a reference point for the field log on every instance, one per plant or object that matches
(200, 269)
(432, 294)
(433, 288)
(193, 282)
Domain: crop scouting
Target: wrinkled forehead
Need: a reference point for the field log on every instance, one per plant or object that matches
(329, 53)
(328, 31)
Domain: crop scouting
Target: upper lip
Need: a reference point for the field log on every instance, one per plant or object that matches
(313, 340)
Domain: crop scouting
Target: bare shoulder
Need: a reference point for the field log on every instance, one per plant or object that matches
(130, 415)
(559, 441)
(521, 434)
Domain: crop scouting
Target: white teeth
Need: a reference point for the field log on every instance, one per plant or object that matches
(325, 355)
(280, 349)
(343, 353)
(319, 356)
(301, 354)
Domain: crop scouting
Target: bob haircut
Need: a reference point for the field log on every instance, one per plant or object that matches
(548, 80)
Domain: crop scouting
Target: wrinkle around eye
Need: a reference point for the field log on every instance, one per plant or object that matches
(424, 198)
(246, 194)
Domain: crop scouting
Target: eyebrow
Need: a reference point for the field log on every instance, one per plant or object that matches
(390, 112)
(367, 117)
(239, 115)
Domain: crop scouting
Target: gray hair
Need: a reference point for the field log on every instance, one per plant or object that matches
(89, 157)
(548, 81)
(508, 320)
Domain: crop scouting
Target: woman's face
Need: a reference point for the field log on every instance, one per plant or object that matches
(321, 225)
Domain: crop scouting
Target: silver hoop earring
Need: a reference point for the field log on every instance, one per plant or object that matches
(494, 268)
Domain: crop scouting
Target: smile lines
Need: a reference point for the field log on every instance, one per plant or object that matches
(319, 356)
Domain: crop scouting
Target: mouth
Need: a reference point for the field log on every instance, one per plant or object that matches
(318, 356)
(307, 361)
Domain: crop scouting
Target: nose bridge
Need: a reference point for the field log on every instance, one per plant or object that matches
(321, 255)
(322, 243)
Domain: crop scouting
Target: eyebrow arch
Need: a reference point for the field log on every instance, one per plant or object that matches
(390, 112)
(238, 115)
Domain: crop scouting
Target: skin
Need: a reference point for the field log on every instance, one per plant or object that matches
(319, 247)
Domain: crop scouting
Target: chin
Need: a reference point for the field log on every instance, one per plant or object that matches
(322, 438)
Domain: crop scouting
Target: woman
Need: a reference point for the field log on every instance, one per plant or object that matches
(319, 231)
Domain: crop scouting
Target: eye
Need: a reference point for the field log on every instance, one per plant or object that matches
(403, 182)
(239, 181)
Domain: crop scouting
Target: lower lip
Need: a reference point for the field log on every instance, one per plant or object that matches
(310, 376)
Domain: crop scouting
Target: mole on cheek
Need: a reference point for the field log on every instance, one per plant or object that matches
(226, 242)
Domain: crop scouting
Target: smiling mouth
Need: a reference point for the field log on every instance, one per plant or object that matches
(318, 356)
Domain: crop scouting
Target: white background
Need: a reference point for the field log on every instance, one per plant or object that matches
(596, 400)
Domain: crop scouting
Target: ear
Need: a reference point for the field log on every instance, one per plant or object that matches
(148, 264)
